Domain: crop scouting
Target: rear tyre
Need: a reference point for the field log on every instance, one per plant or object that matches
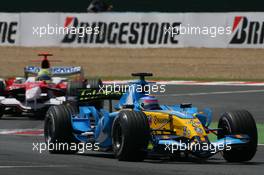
(95, 84)
(58, 130)
(73, 88)
(239, 122)
(2, 109)
(130, 136)
(2, 88)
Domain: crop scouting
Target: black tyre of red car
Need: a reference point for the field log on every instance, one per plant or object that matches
(2, 88)
(239, 122)
(1, 111)
(130, 136)
(58, 130)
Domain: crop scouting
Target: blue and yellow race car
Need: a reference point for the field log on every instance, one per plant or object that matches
(139, 126)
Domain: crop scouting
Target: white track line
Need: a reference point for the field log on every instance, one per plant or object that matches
(214, 93)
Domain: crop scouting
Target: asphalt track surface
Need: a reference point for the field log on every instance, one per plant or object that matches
(18, 157)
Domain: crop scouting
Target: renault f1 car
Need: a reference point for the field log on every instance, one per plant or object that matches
(40, 88)
(140, 126)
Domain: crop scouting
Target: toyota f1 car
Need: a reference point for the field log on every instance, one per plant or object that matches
(141, 127)
(40, 88)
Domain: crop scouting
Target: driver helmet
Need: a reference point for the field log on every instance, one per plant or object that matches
(44, 74)
(149, 103)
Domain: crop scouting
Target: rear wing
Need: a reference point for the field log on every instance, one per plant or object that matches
(33, 70)
(55, 71)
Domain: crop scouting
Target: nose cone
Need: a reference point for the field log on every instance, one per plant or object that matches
(33, 93)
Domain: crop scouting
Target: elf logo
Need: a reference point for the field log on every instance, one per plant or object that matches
(247, 32)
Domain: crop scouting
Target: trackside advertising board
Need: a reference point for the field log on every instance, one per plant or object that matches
(133, 30)
(9, 29)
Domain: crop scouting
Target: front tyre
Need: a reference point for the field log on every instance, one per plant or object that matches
(2, 87)
(58, 130)
(73, 88)
(2, 111)
(130, 135)
(239, 122)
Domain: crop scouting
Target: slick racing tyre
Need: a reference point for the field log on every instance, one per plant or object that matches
(58, 130)
(239, 122)
(73, 88)
(2, 87)
(95, 84)
(72, 107)
(130, 136)
(2, 90)
(2, 109)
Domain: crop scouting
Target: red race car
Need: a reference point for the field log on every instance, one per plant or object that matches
(41, 87)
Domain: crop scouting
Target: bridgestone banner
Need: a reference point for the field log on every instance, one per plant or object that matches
(9, 29)
(133, 30)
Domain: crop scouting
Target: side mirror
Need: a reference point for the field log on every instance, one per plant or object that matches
(128, 106)
(186, 105)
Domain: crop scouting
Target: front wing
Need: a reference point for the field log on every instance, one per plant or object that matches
(29, 106)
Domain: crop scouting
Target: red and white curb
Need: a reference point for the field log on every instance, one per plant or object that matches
(22, 132)
(206, 83)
